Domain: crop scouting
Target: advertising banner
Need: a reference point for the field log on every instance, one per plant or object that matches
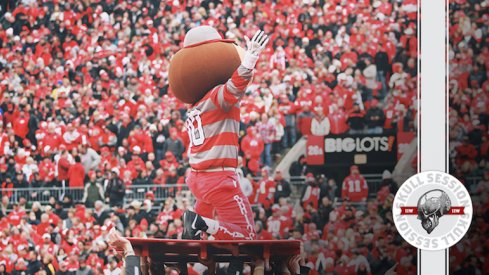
(369, 150)
(403, 140)
(315, 150)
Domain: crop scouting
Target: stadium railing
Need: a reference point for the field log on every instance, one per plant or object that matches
(374, 182)
(161, 192)
(133, 192)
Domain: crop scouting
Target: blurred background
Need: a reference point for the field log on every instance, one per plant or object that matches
(468, 56)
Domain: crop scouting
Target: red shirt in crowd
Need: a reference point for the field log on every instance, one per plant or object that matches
(53, 140)
(46, 170)
(15, 216)
(9, 266)
(63, 169)
(278, 225)
(355, 188)
(21, 125)
(76, 175)
(337, 122)
(251, 145)
(264, 192)
(311, 196)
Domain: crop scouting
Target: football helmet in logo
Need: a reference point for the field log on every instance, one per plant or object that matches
(431, 206)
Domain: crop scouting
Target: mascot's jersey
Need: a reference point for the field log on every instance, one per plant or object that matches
(213, 124)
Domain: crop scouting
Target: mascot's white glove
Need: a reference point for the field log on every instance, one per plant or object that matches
(254, 47)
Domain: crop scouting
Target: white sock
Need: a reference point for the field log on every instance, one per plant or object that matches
(212, 225)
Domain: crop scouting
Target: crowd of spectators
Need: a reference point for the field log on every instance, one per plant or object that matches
(469, 121)
(85, 103)
(66, 237)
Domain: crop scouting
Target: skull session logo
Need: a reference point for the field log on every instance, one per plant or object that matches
(431, 206)
(432, 210)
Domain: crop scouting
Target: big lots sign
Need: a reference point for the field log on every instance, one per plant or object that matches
(359, 144)
(345, 149)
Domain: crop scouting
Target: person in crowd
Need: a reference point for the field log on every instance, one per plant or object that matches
(59, 211)
(356, 120)
(48, 265)
(338, 120)
(93, 191)
(277, 120)
(298, 168)
(374, 118)
(266, 130)
(15, 216)
(265, 189)
(311, 192)
(304, 117)
(89, 158)
(252, 146)
(63, 167)
(100, 213)
(33, 263)
(115, 190)
(3, 270)
(320, 123)
(76, 174)
(282, 187)
(324, 211)
(245, 184)
(84, 268)
(174, 144)
(113, 268)
(63, 269)
(289, 110)
(355, 188)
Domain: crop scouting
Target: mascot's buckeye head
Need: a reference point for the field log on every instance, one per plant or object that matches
(205, 61)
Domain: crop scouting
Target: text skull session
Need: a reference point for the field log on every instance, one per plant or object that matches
(432, 210)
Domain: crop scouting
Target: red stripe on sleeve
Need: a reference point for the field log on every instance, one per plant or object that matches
(228, 97)
(238, 81)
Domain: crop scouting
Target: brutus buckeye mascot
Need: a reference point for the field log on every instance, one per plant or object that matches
(211, 74)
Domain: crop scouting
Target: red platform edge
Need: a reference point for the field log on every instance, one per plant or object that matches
(270, 248)
(141, 241)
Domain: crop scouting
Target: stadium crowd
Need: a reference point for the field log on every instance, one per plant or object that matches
(85, 103)
(469, 121)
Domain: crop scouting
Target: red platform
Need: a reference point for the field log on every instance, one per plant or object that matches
(209, 252)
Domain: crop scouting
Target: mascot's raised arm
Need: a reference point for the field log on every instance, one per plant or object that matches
(212, 74)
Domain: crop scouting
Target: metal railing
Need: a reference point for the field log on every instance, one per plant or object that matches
(374, 182)
(161, 192)
(133, 192)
